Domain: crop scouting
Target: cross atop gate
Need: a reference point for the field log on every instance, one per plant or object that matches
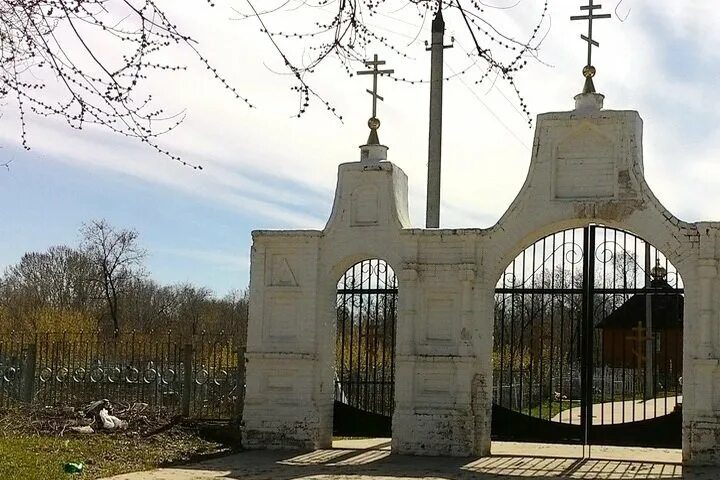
(373, 64)
(589, 70)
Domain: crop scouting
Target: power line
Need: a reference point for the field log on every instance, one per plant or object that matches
(499, 120)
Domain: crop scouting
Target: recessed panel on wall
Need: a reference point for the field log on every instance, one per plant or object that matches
(365, 206)
(584, 166)
(281, 271)
(280, 320)
(440, 314)
(281, 385)
(434, 384)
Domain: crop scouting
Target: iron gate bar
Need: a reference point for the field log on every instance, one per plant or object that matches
(542, 343)
(562, 322)
(552, 320)
(530, 335)
(522, 329)
(360, 338)
(586, 383)
(648, 325)
(511, 346)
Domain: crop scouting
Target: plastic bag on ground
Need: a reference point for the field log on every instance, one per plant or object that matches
(110, 422)
(72, 467)
(82, 429)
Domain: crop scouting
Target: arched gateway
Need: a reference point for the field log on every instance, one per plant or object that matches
(588, 342)
(636, 293)
(365, 350)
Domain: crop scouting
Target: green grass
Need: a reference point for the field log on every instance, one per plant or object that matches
(548, 409)
(31, 457)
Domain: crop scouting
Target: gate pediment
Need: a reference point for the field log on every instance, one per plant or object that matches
(586, 166)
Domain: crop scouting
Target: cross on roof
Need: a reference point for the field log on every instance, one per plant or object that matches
(375, 72)
(639, 337)
(589, 70)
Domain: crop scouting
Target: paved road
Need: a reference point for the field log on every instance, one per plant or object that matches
(364, 460)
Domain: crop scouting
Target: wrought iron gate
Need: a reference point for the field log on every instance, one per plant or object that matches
(365, 350)
(588, 342)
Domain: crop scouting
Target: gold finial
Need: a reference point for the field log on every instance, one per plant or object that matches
(374, 124)
(589, 72)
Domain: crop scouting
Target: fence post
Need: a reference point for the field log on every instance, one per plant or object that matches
(188, 378)
(28, 373)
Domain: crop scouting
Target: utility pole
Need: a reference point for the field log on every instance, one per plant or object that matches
(432, 213)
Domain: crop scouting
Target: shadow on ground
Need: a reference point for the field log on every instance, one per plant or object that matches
(378, 463)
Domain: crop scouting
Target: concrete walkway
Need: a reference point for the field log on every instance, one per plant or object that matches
(371, 459)
(609, 413)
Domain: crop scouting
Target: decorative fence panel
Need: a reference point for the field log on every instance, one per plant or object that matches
(202, 376)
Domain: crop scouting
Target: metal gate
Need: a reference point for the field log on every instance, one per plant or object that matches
(365, 350)
(588, 342)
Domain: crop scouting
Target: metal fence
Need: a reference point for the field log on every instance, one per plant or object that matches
(201, 377)
(609, 385)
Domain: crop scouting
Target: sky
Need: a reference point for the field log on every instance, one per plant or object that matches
(265, 169)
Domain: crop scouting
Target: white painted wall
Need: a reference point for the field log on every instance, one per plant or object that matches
(586, 167)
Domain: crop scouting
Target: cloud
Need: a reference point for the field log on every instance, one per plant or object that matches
(692, 22)
(287, 203)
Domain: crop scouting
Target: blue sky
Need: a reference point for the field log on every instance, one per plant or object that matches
(263, 169)
(187, 239)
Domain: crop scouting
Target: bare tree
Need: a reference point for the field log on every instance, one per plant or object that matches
(231, 314)
(85, 61)
(191, 301)
(98, 52)
(116, 259)
(146, 305)
(344, 30)
(48, 288)
(56, 278)
(103, 283)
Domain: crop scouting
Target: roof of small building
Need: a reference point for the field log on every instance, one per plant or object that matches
(667, 309)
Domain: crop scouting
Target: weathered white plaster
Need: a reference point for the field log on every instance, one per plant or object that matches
(586, 166)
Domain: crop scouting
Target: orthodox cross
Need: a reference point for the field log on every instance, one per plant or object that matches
(589, 70)
(375, 72)
(639, 337)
